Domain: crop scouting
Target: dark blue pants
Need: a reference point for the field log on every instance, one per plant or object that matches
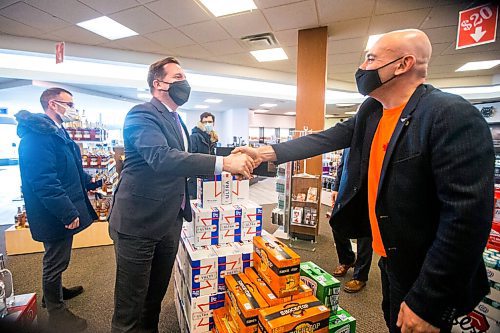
(143, 269)
(347, 256)
(55, 262)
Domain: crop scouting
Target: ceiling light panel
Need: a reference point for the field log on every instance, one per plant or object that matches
(201, 106)
(227, 7)
(268, 105)
(108, 28)
(213, 100)
(269, 54)
(478, 65)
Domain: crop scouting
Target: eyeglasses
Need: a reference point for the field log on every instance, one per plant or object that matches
(70, 104)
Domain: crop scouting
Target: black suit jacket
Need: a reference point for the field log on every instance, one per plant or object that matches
(153, 180)
(435, 197)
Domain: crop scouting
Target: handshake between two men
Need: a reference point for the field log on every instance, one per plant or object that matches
(243, 160)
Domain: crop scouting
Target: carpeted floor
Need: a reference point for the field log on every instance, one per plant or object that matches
(94, 268)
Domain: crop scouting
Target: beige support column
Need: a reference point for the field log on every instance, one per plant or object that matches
(311, 85)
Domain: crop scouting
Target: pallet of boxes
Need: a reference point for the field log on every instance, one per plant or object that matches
(281, 294)
(216, 244)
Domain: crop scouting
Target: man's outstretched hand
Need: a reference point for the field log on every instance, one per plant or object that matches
(239, 164)
(259, 155)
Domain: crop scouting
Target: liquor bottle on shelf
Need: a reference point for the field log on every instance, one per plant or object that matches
(6, 277)
(97, 133)
(85, 158)
(19, 219)
(94, 159)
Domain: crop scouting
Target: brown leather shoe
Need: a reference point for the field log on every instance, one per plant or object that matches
(341, 270)
(354, 286)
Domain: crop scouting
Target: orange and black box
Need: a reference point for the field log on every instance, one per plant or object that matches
(223, 322)
(277, 265)
(243, 302)
(303, 315)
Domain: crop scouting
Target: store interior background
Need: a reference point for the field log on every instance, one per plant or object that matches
(212, 52)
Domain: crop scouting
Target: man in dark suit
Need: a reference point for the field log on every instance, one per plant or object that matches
(55, 193)
(421, 182)
(152, 197)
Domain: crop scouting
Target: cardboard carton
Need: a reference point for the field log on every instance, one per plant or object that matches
(342, 322)
(277, 265)
(230, 224)
(226, 184)
(230, 261)
(263, 288)
(240, 190)
(223, 322)
(200, 269)
(251, 220)
(209, 191)
(206, 225)
(246, 251)
(243, 302)
(303, 315)
(325, 287)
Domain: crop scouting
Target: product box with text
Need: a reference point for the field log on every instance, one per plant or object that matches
(230, 261)
(325, 287)
(277, 265)
(230, 223)
(200, 270)
(223, 322)
(209, 191)
(243, 302)
(303, 315)
(475, 322)
(251, 220)
(246, 251)
(199, 311)
(205, 225)
(240, 190)
(342, 322)
(179, 309)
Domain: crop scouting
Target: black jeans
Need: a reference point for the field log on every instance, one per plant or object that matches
(143, 269)
(55, 262)
(392, 296)
(347, 256)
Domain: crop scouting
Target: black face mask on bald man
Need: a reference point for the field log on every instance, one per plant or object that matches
(368, 80)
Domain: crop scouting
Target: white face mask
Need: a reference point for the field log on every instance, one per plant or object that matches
(71, 114)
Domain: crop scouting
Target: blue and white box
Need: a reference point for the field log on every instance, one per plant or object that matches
(246, 251)
(230, 224)
(209, 191)
(200, 270)
(251, 220)
(205, 225)
(230, 261)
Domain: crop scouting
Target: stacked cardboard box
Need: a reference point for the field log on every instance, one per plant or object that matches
(325, 286)
(218, 243)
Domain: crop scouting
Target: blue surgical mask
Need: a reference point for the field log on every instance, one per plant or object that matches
(209, 127)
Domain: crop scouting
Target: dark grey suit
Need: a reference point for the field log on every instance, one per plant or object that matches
(146, 217)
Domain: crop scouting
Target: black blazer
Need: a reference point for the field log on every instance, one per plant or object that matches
(435, 197)
(153, 180)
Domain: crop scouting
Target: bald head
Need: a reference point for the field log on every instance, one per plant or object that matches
(407, 42)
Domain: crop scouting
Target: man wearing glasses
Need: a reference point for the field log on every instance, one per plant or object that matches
(55, 193)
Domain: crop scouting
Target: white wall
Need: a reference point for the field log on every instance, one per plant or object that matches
(268, 120)
(234, 123)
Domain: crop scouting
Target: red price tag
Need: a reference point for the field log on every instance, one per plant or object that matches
(477, 26)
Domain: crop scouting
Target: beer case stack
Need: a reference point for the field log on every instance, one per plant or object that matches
(216, 244)
(271, 296)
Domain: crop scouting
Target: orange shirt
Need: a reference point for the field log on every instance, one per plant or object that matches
(380, 142)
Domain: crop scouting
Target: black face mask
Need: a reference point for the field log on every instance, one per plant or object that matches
(368, 80)
(179, 91)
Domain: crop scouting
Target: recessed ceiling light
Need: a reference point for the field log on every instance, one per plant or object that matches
(268, 105)
(291, 113)
(213, 100)
(107, 28)
(201, 106)
(344, 105)
(260, 111)
(372, 40)
(351, 112)
(226, 7)
(269, 54)
(477, 65)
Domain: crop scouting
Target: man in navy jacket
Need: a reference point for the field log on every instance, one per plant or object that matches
(55, 193)
(434, 199)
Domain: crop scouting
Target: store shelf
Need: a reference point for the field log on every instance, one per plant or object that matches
(303, 225)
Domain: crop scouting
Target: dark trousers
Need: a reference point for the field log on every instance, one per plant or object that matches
(143, 269)
(393, 295)
(347, 256)
(55, 262)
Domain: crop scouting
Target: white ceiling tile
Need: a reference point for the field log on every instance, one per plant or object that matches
(6, 3)
(463, 58)
(346, 45)
(345, 58)
(348, 29)
(242, 59)
(15, 28)
(170, 38)
(145, 1)
(442, 16)
(396, 21)
(179, 12)
(79, 35)
(287, 37)
(141, 20)
(68, 10)
(439, 48)
(480, 48)
(394, 6)
(192, 51)
(204, 32)
(245, 24)
(342, 10)
(221, 47)
(437, 69)
(286, 66)
(349, 68)
(136, 43)
(442, 35)
(32, 16)
(297, 15)
(291, 51)
(346, 77)
(261, 4)
(110, 6)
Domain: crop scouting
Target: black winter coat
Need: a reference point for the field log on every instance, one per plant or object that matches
(200, 142)
(53, 181)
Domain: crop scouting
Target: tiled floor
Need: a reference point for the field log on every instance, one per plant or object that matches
(10, 193)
